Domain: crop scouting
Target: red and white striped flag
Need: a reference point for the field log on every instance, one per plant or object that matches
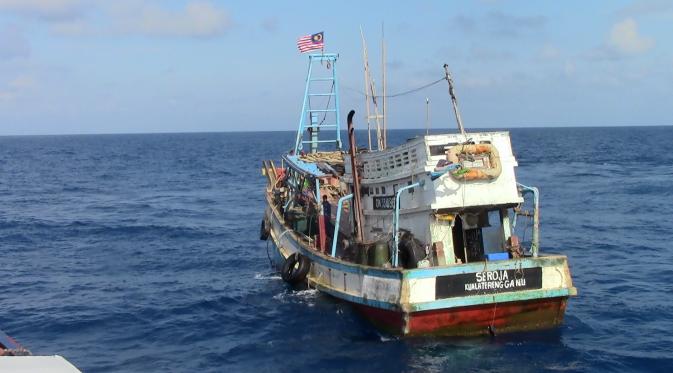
(311, 42)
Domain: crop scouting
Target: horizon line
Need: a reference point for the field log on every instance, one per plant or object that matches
(344, 129)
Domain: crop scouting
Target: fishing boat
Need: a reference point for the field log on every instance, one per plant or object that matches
(419, 237)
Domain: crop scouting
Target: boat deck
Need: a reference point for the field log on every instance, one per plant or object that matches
(33, 364)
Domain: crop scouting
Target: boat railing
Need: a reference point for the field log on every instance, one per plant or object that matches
(535, 244)
(338, 222)
(396, 218)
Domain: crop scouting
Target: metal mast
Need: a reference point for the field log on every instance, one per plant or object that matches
(309, 115)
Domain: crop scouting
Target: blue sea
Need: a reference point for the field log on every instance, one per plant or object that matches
(140, 253)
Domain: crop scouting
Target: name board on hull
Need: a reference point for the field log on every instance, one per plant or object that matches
(384, 203)
(488, 282)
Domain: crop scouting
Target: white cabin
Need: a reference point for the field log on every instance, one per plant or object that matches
(431, 212)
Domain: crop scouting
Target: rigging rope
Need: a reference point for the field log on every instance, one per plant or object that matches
(329, 99)
(403, 93)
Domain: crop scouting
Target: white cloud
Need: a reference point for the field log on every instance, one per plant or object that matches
(50, 10)
(13, 44)
(500, 24)
(549, 52)
(569, 68)
(16, 87)
(197, 19)
(646, 7)
(625, 39)
(75, 27)
(64, 17)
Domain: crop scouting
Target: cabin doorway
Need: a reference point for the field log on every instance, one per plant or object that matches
(458, 239)
(474, 245)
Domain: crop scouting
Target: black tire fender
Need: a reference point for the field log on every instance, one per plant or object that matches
(295, 268)
(411, 251)
(264, 231)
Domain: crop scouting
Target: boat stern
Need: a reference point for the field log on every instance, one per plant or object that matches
(485, 297)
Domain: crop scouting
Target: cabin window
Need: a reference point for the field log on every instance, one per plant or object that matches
(436, 150)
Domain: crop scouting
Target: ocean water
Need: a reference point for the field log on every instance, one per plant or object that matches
(140, 253)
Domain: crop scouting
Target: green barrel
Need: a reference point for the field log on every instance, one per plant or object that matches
(300, 224)
(362, 254)
(379, 254)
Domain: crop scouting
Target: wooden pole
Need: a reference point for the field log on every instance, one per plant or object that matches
(454, 101)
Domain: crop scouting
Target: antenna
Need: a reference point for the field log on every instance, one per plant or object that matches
(427, 116)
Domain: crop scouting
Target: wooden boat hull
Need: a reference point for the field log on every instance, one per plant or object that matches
(537, 314)
(437, 300)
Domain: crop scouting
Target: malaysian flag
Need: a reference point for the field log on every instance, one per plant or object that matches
(310, 42)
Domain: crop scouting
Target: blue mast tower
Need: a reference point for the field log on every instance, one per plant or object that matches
(320, 109)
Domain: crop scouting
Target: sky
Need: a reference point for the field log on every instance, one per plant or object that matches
(139, 66)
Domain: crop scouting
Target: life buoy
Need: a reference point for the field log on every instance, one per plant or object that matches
(295, 268)
(264, 231)
(475, 173)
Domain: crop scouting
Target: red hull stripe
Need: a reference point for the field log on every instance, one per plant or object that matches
(474, 320)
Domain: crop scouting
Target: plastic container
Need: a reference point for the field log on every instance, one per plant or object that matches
(497, 256)
(379, 254)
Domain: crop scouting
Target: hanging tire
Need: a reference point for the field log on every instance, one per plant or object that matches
(411, 251)
(295, 268)
(264, 231)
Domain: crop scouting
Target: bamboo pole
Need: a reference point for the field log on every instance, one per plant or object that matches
(366, 82)
(385, 99)
(372, 93)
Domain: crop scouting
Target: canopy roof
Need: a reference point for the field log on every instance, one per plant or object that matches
(305, 168)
